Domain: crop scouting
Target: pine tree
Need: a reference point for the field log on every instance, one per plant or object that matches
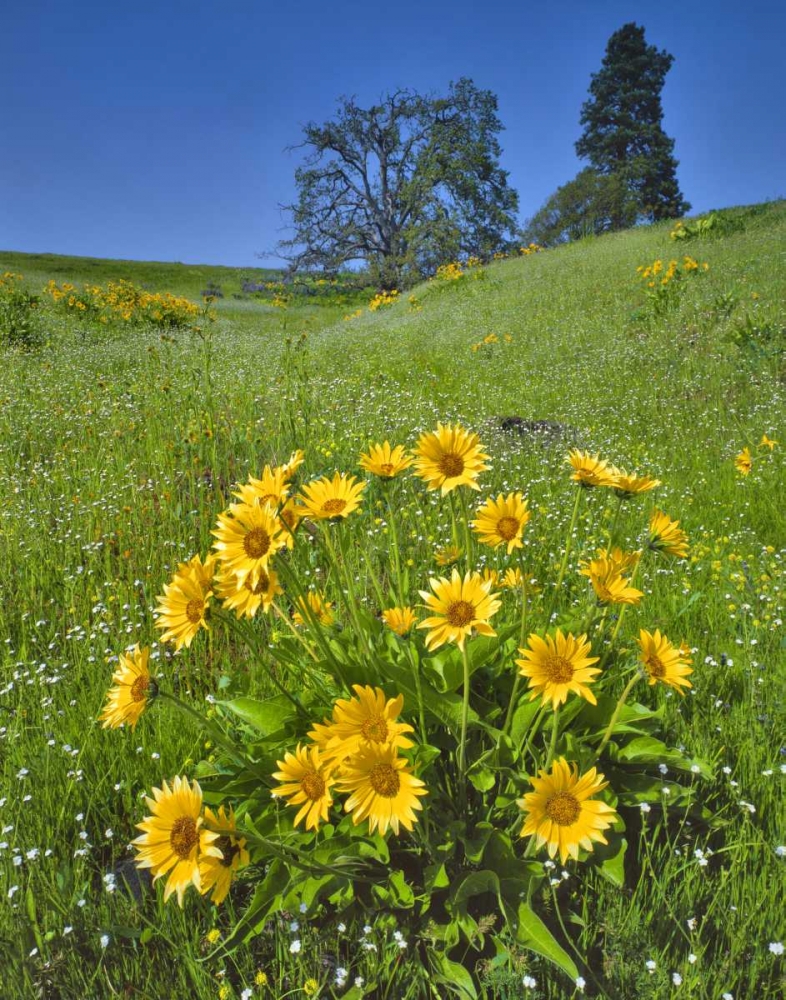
(623, 132)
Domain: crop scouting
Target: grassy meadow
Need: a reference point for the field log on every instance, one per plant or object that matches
(119, 447)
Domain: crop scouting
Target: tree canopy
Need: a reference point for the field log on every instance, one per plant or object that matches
(590, 204)
(623, 132)
(403, 186)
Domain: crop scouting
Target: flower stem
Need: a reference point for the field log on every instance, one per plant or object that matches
(615, 715)
(464, 720)
(566, 554)
(554, 733)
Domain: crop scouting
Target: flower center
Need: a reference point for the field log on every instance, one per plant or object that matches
(460, 613)
(384, 780)
(333, 507)
(261, 586)
(507, 527)
(375, 729)
(195, 611)
(563, 808)
(256, 543)
(228, 850)
(184, 836)
(451, 465)
(386, 469)
(139, 688)
(655, 667)
(313, 785)
(558, 669)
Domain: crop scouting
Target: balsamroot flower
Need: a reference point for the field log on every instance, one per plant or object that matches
(558, 666)
(174, 839)
(449, 457)
(664, 662)
(459, 606)
(131, 691)
(561, 812)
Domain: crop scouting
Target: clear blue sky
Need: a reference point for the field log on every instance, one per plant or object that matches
(157, 130)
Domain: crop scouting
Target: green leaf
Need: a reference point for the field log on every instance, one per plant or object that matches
(265, 716)
(612, 861)
(522, 721)
(474, 884)
(435, 877)
(533, 934)
(452, 975)
(483, 778)
(649, 750)
(266, 900)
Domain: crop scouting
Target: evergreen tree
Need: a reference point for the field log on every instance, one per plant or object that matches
(623, 132)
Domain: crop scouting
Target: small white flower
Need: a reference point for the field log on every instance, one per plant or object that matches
(650, 966)
(67, 929)
(33, 953)
(691, 922)
(104, 940)
(295, 946)
(294, 927)
(691, 959)
(726, 770)
(580, 984)
(246, 994)
(676, 978)
(529, 982)
(12, 891)
(359, 980)
(727, 996)
(776, 947)
(303, 907)
(81, 902)
(780, 851)
(645, 807)
(341, 928)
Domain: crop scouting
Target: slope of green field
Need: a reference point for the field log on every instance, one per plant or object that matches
(118, 448)
(155, 276)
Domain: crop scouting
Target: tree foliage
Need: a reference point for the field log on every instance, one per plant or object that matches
(403, 186)
(623, 131)
(590, 204)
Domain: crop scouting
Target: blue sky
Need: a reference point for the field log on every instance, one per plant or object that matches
(158, 131)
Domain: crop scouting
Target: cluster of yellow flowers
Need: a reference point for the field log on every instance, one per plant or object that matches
(449, 272)
(532, 248)
(10, 279)
(355, 315)
(383, 299)
(489, 340)
(356, 750)
(655, 274)
(122, 300)
(744, 460)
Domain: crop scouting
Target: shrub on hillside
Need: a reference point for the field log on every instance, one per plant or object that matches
(18, 312)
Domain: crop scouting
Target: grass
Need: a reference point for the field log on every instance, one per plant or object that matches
(118, 450)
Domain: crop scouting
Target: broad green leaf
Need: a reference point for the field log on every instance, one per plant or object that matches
(535, 935)
(266, 900)
(452, 975)
(474, 884)
(265, 716)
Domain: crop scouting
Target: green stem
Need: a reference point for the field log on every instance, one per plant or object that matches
(347, 580)
(464, 720)
(566, 554)
(416, 677)
(554, 733)
(618, 625)
(284, 617)
(400, 597)
(248, 636)
(615, 715)
(467, 529)
(215, 733)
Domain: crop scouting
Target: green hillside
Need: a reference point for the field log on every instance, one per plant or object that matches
(120, 445)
